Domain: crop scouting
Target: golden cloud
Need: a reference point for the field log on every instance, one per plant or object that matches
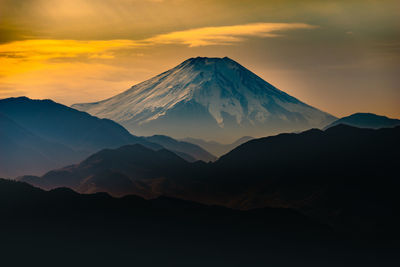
(46, 49)
(21, 56)
(225, 35)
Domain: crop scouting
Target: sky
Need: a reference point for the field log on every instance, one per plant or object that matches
(339, 56)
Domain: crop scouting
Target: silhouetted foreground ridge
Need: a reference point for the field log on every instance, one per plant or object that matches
(62, 227)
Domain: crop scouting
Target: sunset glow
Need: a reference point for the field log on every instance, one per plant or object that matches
(80, 51)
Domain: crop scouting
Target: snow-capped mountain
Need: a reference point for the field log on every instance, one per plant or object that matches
(208, 98)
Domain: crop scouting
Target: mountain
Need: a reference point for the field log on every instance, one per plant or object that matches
(344, 176)
(64, 125)
(195, 151)
(116, 171)
(366, 120)
(62, 227)
(207, 98)
(216, 148)
(40, 135)
(23, 152)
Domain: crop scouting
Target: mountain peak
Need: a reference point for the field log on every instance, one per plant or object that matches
(208, 64)
(208, 59)
(207, 98)
(366, 120)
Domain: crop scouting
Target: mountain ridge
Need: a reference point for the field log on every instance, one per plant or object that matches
(217, 148)
(60, 135)
(120, 168)
(189, 148)
(366, 120)
(344, 176)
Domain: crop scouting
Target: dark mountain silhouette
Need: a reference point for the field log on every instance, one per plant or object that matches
(216, 148)
(193, 150)
(116, 171)
(40, 135)
(344, 176)
(62, 227)
(366, 120)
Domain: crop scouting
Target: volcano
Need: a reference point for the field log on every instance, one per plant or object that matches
(208, 98)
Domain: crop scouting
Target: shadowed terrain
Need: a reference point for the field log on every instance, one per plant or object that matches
(42, 228)
(345, 177)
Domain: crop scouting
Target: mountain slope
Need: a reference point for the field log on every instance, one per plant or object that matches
(195, 151)
(75, 129)
(115, 171)
(216, 148)
(366, 120)
(207, 98)
(23, 152)
(40, 135)
(344, 176)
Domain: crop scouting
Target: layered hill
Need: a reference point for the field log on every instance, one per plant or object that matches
(192, 149)
(208, 98)
(58, 123)
(344, 176)
(217, 148)
(60, 226)
(40, 135)
(116, 171)
(366, 120)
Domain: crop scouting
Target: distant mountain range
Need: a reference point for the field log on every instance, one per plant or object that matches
(210, 99)
(40, 135)
(366, 120)
(184, 148)
(329, 175)
(116, 171)
(216, 148)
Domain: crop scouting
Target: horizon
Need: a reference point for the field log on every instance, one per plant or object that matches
(340, 57)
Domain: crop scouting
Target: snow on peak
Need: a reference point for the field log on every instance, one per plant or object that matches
(221, 85)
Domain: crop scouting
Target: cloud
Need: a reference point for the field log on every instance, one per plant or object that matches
(26, 55)
(32, 55)
(46, 49)
(225, 35)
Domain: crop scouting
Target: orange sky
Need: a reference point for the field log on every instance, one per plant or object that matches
(340, 56)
